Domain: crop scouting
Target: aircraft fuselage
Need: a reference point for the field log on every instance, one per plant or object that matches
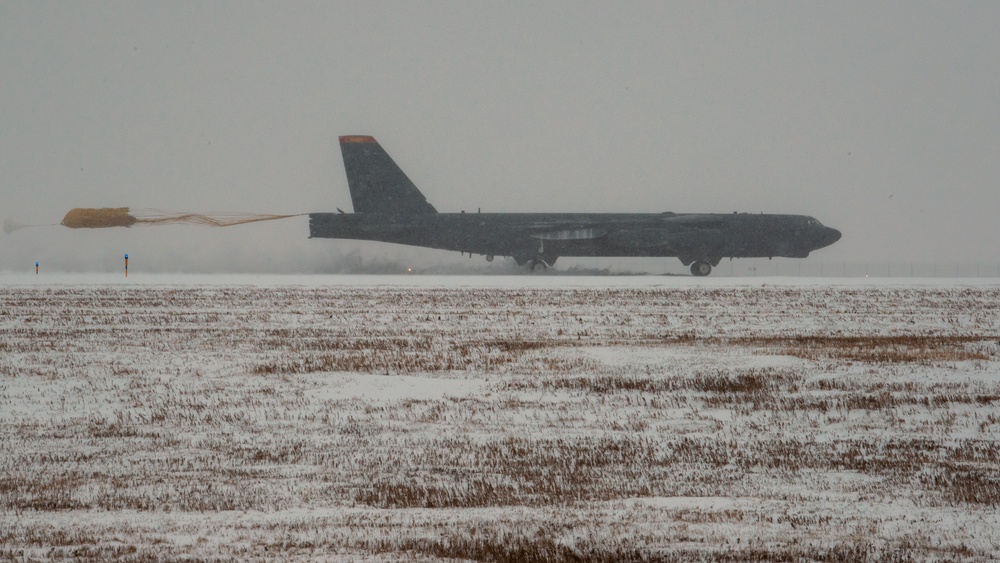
(707, 237)
(388, 207)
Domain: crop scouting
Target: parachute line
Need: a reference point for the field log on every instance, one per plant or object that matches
(10, 225)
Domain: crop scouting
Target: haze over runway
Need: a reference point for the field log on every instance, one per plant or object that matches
(878, 119)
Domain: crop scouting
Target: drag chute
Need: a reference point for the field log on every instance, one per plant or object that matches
(87, 218)
(105, 217)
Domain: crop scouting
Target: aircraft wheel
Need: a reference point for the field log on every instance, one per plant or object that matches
(489, 257)
(538, 266)
(701, 268)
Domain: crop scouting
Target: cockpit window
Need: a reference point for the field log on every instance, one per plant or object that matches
(813, 223)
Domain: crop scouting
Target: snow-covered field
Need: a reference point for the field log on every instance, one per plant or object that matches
(498, 418)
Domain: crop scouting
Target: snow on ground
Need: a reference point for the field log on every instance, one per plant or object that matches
(496, 417)
(553, 279)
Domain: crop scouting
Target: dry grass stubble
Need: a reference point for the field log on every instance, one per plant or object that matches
(177, 404)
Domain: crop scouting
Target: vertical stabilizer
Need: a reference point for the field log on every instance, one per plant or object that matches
(377, 183)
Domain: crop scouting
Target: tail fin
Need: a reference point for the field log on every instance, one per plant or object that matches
(377, 183)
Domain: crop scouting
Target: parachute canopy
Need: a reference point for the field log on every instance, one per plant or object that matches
(82, 218)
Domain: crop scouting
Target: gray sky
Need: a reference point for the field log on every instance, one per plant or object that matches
(881, 119)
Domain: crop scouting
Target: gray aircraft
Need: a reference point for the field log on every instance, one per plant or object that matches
(388, 207)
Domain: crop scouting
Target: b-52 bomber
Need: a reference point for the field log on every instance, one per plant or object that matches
(388, 207)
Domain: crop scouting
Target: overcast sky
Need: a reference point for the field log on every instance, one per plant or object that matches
(881, 119)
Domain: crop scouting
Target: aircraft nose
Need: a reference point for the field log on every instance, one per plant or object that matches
(829, 236)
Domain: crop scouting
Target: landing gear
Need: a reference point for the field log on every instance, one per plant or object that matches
(541, 263)
(489, 257)
(701, 268)
(536, 262)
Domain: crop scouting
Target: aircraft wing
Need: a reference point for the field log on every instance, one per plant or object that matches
(586, 230)
(570, 234)
(563, 229)
(693, 221)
